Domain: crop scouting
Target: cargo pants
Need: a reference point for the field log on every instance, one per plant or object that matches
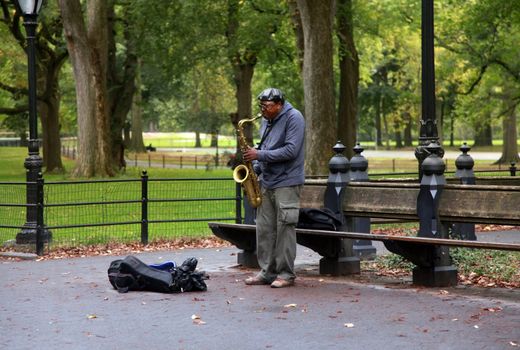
(276, 221)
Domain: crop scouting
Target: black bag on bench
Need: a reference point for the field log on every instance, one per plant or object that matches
(131, 273)
(319, 219)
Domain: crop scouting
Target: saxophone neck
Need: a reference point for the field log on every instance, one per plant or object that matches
(250, 120)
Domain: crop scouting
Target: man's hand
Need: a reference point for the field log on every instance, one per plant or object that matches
(250, 154)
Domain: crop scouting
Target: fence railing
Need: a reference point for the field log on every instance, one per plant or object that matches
(226, 159)
(167, 160)
(143, 209)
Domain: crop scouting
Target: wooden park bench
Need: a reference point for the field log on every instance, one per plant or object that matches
(362, 201)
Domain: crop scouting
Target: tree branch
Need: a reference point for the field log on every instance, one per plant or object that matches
(509, 109)
(269, 11)
(14, 90)
(507, 68)
(14, 110)
(475, 83)
(13, 23)
(448, 47)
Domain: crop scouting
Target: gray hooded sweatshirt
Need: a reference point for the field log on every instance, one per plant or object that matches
(281, 154)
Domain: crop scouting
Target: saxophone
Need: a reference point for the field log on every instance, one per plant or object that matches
(244, 173)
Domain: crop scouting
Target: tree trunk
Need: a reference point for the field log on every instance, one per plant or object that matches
(387, 129)
(97, 32)
(452, 129)
(379, 139)
(483, 133)
(298, 31)
(198, 144)
(510, 146)
(88, 54)
(122, 88)
(243, 77)
(136, 125)
(318, 84)
(51, 142)
(243, 66)
(398, 138)
(49, 115)
(407, 117)
(349, 77)
(76, 36)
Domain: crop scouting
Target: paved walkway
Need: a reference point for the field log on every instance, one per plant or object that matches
(69, 304)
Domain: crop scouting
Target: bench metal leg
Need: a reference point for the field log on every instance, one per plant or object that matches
(248, 259)
(436, 276)
(342, 262)
(433, 263)
(340, 266)
(362, 248)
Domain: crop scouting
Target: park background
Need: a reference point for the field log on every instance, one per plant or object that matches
(116, 76)
(195, 66)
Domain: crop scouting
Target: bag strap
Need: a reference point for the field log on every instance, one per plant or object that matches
(118, 276)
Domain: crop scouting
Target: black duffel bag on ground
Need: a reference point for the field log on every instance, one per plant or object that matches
(131, 273)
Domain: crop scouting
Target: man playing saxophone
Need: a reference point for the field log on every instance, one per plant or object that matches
(279, 161)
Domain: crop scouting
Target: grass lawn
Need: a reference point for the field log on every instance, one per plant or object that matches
(78, 203)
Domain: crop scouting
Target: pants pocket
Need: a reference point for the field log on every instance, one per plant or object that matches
(289, 213)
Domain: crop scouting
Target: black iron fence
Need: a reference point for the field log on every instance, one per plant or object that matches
(168, 160)
(125, 210)
(100, 211)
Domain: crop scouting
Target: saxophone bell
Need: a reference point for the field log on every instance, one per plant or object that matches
(240, 173)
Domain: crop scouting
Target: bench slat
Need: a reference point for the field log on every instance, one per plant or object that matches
(459, 203)
(381, 237)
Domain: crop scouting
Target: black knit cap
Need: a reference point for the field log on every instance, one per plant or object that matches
(271, 94)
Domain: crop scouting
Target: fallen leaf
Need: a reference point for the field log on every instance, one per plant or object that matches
(290, 305)
(493, 309)
(196, 320)
(91, 316)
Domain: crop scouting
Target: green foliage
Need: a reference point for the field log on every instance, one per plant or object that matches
(394, 261)
(188, 79)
